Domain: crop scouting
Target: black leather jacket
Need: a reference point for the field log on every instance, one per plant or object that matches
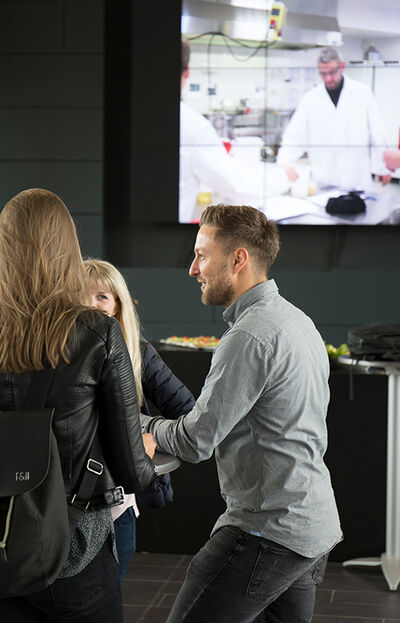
(97, 386)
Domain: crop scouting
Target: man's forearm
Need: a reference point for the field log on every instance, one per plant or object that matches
(173, 437)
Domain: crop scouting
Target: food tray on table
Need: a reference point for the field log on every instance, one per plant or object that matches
(201, 342)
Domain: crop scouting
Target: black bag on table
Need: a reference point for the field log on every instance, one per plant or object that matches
(346, 205)
(375, 342)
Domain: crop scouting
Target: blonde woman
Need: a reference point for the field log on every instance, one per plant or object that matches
(153, 379)
(44, 325)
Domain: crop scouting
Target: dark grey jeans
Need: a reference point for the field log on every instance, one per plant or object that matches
(240, 578)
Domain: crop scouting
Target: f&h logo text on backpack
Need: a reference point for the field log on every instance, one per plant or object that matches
(22, 476)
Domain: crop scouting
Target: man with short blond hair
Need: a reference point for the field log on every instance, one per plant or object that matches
(262, 409)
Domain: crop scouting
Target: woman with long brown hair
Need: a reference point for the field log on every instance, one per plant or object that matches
(43, 325)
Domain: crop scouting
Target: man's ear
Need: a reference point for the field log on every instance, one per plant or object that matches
(184, 77)
(240, 259)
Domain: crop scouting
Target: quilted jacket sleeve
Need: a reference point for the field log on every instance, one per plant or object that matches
(171, 397)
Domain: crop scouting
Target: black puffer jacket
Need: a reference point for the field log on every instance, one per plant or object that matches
(167, 393)
(96, 386)
(172, 399)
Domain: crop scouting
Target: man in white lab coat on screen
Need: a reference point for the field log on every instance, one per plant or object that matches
(336, 123)
(204, 162)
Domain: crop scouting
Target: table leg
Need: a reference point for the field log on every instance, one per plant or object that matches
(391, 558)
(393, 469)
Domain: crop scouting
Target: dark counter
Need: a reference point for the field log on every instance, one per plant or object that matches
(356, 458)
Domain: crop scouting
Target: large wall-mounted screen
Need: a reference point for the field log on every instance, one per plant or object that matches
(270, 117)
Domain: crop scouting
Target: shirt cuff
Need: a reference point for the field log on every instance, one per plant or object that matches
(145, 422)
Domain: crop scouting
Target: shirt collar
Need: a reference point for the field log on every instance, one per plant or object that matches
(261, 290)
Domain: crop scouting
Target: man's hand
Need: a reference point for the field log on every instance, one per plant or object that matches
(149, 444)
(290, 172)
(385, 179)
(391, 158)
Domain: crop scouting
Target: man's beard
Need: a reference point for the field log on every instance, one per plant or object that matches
(218, 293)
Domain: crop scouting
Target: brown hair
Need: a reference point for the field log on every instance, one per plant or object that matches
(41, 280)
(185, 55)
(244, 226)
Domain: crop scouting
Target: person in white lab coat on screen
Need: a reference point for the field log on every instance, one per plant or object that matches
(204, 162)
(336, 123)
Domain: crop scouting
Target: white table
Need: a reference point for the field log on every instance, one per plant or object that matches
(382, 203)
(390, 559)
(165, 463)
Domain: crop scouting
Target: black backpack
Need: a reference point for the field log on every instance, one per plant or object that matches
(34, 526)
(375, 342)
(36, 522)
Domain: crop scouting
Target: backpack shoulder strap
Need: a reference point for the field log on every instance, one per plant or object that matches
(39, 388)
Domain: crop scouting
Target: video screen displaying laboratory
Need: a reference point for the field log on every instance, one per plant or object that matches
(291, 107)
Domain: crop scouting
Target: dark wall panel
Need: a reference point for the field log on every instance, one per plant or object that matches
(343, 296)
(90, 234)
(83, 26)
(51, 80)
(330, 248)
(51, 133)
(167, 295)
(78, 183)
(31, 26)
(51, 106)
(142, 116)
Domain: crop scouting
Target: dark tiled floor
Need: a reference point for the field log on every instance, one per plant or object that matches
(352, 595)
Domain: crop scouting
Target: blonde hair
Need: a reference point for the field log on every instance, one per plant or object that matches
(41, 279)
(104, 274)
